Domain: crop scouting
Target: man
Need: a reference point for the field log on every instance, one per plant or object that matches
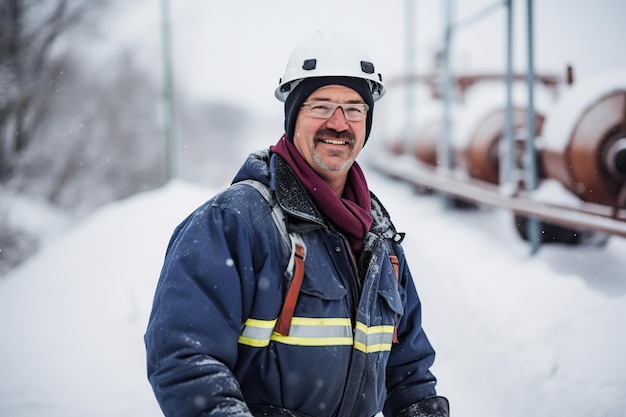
(288, 293)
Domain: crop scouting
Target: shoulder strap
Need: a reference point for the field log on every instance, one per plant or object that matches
(295, 268)
(395, 263)
(277, 212)
(396, 269)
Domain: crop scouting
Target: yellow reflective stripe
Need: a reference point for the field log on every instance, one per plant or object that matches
(381, 347)
(308, 321)
(253, 342)
(374, 329)
(304, 331)
(263, 324)
(373, 339)
(307, 331)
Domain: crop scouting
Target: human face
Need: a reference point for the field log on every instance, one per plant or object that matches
(330, 146)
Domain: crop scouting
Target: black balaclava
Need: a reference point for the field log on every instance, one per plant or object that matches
(307, 86)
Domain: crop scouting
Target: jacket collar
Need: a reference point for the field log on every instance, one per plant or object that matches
(290, 193)
(293, 198)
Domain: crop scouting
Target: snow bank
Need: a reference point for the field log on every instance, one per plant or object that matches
(515, 335)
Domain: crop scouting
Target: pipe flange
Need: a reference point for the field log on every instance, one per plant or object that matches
(616, 159)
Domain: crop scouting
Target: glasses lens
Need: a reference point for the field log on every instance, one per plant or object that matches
(354, 112)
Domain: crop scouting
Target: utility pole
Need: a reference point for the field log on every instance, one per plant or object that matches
(534, 232)
(445, 143)
(409, 125)
(168, 118)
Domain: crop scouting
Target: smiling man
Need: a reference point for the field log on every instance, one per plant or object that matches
(330, 132)
(288, 293)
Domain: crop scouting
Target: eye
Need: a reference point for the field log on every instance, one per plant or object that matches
(323, 107)
(354, 109)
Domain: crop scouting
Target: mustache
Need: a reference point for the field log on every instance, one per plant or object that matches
(329, 133)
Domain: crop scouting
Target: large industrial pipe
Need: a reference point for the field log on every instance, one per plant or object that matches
(592, 162)
(479, 154)
(425, 146)
(481, 157)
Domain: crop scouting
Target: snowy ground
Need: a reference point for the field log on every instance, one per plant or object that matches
(516, 335)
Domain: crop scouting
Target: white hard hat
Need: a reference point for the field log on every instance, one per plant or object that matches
(329, 52)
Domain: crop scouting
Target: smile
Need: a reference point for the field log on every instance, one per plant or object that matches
(335, 141)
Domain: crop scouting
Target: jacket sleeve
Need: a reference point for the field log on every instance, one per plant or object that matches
(409, 379)
(192, 334)
(429, 407)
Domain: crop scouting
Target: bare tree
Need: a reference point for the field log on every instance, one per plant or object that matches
(30, 65)
(74, 138)
(102, 142)
(68, 136)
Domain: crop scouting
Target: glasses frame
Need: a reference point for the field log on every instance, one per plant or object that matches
(345, 107)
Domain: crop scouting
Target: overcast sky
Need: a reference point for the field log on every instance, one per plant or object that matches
(250, 41)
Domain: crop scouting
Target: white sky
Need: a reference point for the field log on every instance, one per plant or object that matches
(237, 50)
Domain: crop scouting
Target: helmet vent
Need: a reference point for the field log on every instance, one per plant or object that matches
(367, 67)
(309, 64)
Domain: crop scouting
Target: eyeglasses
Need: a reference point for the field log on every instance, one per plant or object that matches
(354, 112)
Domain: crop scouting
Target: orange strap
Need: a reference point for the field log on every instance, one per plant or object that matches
(396, 269)
(284, 320)
(396, 265)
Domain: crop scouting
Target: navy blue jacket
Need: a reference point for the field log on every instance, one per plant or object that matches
(211, 349)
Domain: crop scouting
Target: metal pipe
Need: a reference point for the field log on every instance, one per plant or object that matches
(531, 163)
(507, 155)
(588, 217)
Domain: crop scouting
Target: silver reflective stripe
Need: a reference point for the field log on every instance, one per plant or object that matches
(306, 331)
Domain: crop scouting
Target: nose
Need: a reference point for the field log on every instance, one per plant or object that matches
(338, 121)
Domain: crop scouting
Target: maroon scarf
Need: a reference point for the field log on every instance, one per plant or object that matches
(349, 214)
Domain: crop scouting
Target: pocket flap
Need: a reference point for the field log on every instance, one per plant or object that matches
(327, 288)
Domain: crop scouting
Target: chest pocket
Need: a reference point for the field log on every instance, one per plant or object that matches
(325, 288)
(389, 292)
(322, 295)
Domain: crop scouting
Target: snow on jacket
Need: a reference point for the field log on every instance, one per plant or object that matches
(210, 346)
